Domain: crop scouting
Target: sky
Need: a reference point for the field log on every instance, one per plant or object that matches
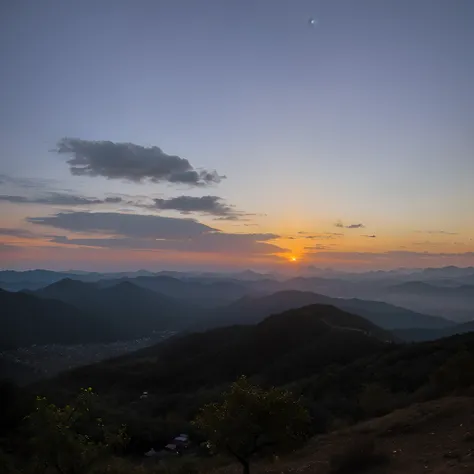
(183, 134)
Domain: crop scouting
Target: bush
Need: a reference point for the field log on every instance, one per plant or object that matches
(358, 456)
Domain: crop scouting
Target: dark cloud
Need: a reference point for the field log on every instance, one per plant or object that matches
(59, 199)
(440, 232)
(340, 225)
(212, 242)
(130, 225)
(131, 162)
(205, 204)
(369, 236)
(145, 232)
(113, 200)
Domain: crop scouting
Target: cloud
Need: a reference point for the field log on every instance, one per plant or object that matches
(130, 225)
(318, 247)
(213, 242)
(113, 200)
(13, 199)
(29, 183)
(59, 199)
(325, 236)
(440, 232)
(395, 255)
(369, 236)
(131, 162)
(19, 233)
(146, 232)
(340, 225)
(213, 205)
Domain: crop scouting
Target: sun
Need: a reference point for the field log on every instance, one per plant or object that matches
(293, 259)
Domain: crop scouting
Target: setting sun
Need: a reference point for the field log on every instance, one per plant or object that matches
(293, 259)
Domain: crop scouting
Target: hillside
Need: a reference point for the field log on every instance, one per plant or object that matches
(282, 348)
(131, 310)
(203, 293)
(425, 334)
(26, 319)
(253, 310)
(434, 437)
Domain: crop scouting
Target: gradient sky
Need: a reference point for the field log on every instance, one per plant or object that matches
(365, 118)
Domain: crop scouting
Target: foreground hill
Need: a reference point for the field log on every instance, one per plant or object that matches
(26, 320)
(282, 348)
(434, 437)
(253, 310)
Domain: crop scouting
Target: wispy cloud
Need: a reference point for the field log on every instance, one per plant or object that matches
(19, 233)
(318, 247)
(340, 225)
(131, 162)
(325, 236)
(373, 236)
(28, 183)
(59, 199)
(434, 232)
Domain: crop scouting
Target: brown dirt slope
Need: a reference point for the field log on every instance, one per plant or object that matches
(434, 437)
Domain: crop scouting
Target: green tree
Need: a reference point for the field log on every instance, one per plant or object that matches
(70, 440)
(250, 419)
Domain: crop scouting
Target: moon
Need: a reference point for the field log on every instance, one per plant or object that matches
(312, 22)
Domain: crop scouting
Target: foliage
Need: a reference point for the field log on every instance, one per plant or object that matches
(69, 440)
(250, 419)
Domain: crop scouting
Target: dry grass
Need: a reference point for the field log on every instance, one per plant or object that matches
(434, 437)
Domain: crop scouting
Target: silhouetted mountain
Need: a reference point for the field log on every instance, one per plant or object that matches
(281, 348)
(424, 334)
(26, 319)
(253, 310)
(131, 310)
(205, 294)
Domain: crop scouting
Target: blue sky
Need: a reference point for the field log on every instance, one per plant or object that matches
(365, 117)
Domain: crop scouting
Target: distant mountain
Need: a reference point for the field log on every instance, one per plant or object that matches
(26, 320)
(281, 348)
(420, 288)
(456, 303)
(424, 334)
(206, 294)
(253, 310)
(131, 309)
